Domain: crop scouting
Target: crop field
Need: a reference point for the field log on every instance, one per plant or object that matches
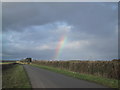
(107, 69)
(7, 62)
(102, 72)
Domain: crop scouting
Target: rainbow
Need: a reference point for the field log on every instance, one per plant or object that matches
(60, 46)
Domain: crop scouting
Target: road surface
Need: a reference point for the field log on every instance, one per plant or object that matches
(41, 78)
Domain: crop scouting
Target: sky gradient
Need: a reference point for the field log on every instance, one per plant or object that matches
(35, 30)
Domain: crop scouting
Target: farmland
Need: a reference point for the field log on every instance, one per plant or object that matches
(7, 62)
(107, 69)
(105, 73)
(102, 72)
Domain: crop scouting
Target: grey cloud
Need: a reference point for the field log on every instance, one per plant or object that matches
(27, 26)
(26, 14)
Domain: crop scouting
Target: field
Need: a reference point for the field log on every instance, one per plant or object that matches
(7, 62)
(102, 72)
(14, 76)
(107, 69)
(112, 83)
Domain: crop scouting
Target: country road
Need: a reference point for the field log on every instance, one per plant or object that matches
(41, 78)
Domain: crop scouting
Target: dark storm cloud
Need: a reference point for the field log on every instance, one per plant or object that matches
(24, 14)
(34, 29)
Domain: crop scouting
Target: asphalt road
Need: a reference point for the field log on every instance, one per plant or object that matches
(41, 78)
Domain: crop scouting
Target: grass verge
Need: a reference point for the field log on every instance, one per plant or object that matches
(15, 77)
(112, 83)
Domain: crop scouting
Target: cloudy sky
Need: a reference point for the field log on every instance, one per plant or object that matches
(89, 30)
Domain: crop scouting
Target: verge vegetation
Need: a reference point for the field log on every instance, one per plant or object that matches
(15, 77)
(112, 83)
(106, 69)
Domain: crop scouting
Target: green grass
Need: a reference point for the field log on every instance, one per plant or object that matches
(15, 77)
(112, 83)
